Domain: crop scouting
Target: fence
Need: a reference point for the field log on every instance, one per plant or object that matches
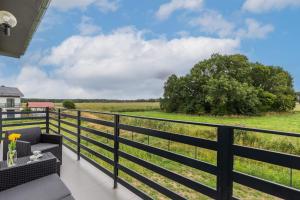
(72, 126)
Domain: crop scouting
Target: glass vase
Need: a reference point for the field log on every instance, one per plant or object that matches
(11, 158)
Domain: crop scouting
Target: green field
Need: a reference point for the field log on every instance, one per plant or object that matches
(276, 121)
(118, 107)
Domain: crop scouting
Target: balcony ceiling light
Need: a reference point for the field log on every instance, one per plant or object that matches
(7, 21)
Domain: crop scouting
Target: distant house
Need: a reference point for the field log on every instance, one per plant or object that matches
(298, 96)
(39, 106)
(10, 101)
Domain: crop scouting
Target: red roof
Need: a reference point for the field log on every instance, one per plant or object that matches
(40, 105)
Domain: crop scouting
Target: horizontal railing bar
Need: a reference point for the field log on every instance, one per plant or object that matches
(151, 183)
(276, 158)
(199, 142)
(95, 164)
(68, 131)
(215, 125)
(197, 164)
(56, 126)
(53, 112)
(69, 147)
(134, 189)
(171, 175)
(265, 186)
(68, 123)
(24, 112)
(52, 118)
(99, 144)
(70, 140)
(172, 121)
(23, 118)
(98, 133)
(52, 130)
(98, 155)
(23, 124)
(90, 111)
(68, 116)
(98, 121)
(273, 132)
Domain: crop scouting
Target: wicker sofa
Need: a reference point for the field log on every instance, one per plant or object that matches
(32, 140)
(32, 180)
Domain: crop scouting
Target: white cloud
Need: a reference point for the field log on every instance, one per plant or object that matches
(165, 10)
(87, 27)
(258, 6)
(122, 64)
(255, 30)
(103, 5)
(214, 22)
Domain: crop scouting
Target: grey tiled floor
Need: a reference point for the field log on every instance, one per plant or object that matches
(88, 183)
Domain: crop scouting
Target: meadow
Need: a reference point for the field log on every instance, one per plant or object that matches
(118, 107)
(288, 122)
(276, 121)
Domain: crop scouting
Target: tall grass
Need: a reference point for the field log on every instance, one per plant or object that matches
(120, 107)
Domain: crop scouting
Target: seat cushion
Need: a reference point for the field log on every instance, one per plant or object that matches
(32, 135)
(46, 188)
(43, 147)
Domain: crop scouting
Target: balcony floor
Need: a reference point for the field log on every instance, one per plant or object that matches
(87, 182)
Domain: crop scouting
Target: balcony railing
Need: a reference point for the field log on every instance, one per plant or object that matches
(79, 137)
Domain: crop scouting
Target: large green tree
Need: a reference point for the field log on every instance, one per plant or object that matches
(229, 84)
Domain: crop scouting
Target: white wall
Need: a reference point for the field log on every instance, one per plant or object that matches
(3, 101)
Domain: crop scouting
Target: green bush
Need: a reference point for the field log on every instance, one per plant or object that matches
(69, 104)
(229, 85)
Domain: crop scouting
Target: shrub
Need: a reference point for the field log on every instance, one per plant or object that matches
(69, 104)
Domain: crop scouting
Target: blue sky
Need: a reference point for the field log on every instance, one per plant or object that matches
(126, 49)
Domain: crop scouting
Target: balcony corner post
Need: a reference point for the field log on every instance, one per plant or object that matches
(47, 120)
(78, 133)
(225, 163)
(58, 122)
(1, 123)
(116, 149)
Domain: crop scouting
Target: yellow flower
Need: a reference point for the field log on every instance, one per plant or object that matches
(14, 136)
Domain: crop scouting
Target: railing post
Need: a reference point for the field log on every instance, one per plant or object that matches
(225, 163)
(47, 120)
(116, 148)
(58, 123)
(1, 132)
(78, 134)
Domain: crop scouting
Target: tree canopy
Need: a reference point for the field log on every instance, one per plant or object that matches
(69, 104)
(229, 84)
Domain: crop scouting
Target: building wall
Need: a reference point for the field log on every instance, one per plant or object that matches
(38, 114)
(3, 101)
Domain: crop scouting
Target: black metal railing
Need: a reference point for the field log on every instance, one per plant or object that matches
(22, 119)
(76, 132)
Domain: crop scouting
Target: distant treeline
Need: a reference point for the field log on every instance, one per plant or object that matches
(25, 100)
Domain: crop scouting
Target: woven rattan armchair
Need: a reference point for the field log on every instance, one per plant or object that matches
(32, 140)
